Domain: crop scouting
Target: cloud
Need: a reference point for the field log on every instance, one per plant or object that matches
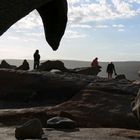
(121, 30)
(81, 26)
(70, 34)
(74, 1)
(31, 21)
(134, 1)
(101, 26)
(99, 10)
(85, 11)
(118, 26)
(35, 34)
(124, 9)
(24, 36)
(83, 14)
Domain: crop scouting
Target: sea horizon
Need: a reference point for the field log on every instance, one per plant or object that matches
(129, 68)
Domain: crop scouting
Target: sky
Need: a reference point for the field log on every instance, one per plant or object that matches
(107, 29)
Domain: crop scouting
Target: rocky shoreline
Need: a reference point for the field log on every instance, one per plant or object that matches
(91, 101)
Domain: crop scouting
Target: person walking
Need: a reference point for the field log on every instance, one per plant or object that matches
(36, 59)
(110, 70)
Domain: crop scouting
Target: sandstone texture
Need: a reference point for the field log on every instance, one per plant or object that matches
(101, 108)
(7, 133)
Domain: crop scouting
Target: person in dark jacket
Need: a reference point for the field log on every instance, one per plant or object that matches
(36, 59)
(110, 70)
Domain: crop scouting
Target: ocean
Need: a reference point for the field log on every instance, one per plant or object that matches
(129, 68)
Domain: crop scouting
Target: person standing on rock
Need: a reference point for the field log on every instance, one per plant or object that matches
(36, 59)
(95, 62)
(96, 68)
(110, 70)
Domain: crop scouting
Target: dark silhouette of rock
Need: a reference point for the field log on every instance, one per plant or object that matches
(121, 76)
(24, 66)
(51, 65)
(31, 129)
(66, 115)
(54, 21)
(4, 64)
(29, 85)
(61, 122)
(100, 106)
(88, 70)
(92, 102)
(59, 65)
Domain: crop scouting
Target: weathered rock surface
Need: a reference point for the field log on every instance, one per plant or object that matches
(7, 133)
(92, 134)
(51, 65)
(31, 129)
(121, 76)
(94, 102)
(27, 86)
(59, 65)
(88, 70)
(102, 103)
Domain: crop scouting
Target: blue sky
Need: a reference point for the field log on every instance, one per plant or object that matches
(107, 29)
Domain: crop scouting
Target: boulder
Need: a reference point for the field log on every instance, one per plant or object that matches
(88, 70)
(61, 122)
(24, 85)
(66, 115)
(100, 103)
(4, 64)
(59, 65)
(121, 76)
(103, 103)
(31, 129)
(51, 65)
